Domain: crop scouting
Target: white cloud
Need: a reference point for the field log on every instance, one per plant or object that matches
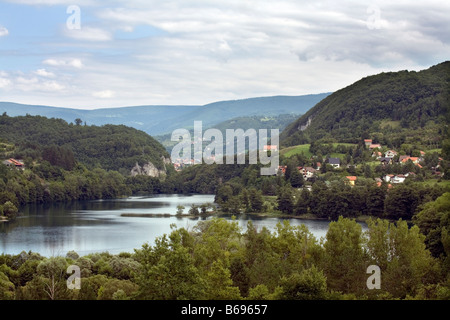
(75, 63)
(44, 73)
(195, 52)
(53, 2)
(29, 83)
(24, 80)
(3, 31)
(51, 86)
(4, 82)
(354, 30)
(105, 94)
(86, 33)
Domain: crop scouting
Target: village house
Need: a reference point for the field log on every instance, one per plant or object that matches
(282, 170)
(179, 164)
(308, 172)
(385, 160)
(335, 162)
(376, 154)
(367, 142)
(13, 163)
(375, 146)
(390, 154)
(379, 182)
(267, 148)
(400, 178)
(351, 180)
(404, 159)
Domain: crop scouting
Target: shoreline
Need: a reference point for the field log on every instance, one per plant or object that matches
(307, 216)
(220, 214)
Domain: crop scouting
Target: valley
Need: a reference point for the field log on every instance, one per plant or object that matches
(374, 154)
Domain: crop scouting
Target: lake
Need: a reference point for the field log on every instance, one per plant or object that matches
(99, 225)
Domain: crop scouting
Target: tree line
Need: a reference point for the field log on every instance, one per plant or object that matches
(331, 200)
(217, 259)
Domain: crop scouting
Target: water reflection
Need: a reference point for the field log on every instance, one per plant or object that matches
(97, 226)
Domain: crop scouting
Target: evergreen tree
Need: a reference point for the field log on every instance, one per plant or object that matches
(345, 258)
(375, 201)
(256, 200)
(302, 203)
(401, 202)
(296, 180)
(434, 222)
(285, 200)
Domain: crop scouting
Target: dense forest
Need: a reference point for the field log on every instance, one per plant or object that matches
(66, 161)
(397, 107)
(111, 147)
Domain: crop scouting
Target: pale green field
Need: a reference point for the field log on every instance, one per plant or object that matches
(289, 152)
(433, 150)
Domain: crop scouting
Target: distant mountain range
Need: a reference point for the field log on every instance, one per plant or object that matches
(249, 122)
(163, 119)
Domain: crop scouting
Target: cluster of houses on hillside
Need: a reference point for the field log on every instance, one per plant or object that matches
(307, 172)
(310, 172)
(179, 164)
(388, 156)
(385, 158)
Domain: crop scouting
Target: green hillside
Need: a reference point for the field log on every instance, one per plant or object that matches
(302, 148)
(392, 108)
(111, 147)
(305, 149)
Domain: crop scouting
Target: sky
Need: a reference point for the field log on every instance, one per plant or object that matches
(95, 54)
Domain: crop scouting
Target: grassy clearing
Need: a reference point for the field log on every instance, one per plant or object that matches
(343, 144)
(338, 155)
(289, 152)
(433, 150)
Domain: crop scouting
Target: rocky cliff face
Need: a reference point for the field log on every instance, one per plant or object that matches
(149, 169)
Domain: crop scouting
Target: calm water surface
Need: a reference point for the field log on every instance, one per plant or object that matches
(98, 226)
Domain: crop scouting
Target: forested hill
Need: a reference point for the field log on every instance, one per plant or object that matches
(111, 147)
(392, 106)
